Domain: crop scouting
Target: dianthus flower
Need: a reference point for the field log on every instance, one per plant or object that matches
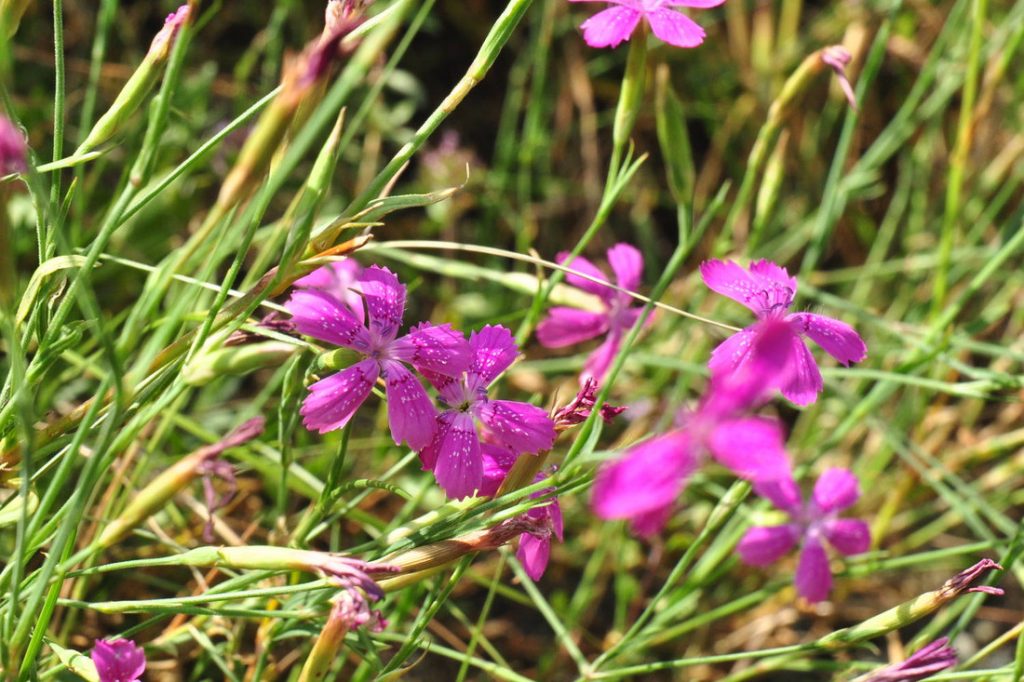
(534, 546)
(610, 27)
(810, 523)
(340, 280)
(643, 485)
(455, 454)
(567, 326)
(118, 660)
(768, 290)
(437, 349)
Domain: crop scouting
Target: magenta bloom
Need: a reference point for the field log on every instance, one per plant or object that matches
(922, 664)
(118, 660)
(643, 485)
(439, 350)
(534, 547)
(340, 280)
(455, 453)
(768, 290)
(836, 490)
(610, 27)
(12, 148)
(567, 326)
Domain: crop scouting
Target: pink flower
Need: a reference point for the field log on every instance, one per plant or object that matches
(339, 279)
(118, 660)
(643, 485)
(768, 290)
(567, 326)
(12, 148)
(439, 350)
(610, 27)
(455, 453)
(836, 490)
(921, 665)
(535, 546)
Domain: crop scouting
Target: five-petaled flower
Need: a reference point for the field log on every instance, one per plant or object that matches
(768, 290)
(610, 27)
(455, 453)
(567, 326)
(643, 485)
(534, 546)
(810, 524)
(118, 660)
(332, 401)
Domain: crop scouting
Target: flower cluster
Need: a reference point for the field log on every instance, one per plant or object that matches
(643, 485)
(329, 305)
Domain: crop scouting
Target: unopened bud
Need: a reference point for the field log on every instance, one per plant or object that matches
(207, 365)
(12, 148)
(920, 665)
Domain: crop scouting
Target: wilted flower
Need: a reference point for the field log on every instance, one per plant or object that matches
(579, 408)
(920, 665)
(567, 326)
(768, 290)
(454, 454)
(837, 58)
(438, 350)
(118, 660)
(836, 490)
(610, 27)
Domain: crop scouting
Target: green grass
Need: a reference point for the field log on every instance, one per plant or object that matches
(904, 218)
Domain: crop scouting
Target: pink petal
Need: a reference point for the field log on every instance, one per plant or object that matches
(385, 301)
(492, 350)
(766, 288)
(675, 28)
(849, 536)
(753, 447)
(650, 523)
(332, 401)
(804, 382)
(411, 413)
(581, 264)
(697, 4)
(325, 318)
(339, 280)
(839, 339)
(836, 489)
(459, 467)
(497, 463)
(646, 480)
(434, 350)
(628, 265)
(762, 545)
(600, 360)
(731, 353)
(783, 493)
(813, 576)
(568, 326)
(118, 660)
(518, 426)
(429, 454)
(533, 554)
(610, 27)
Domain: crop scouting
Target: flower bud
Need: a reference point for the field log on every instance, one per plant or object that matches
(12, 148)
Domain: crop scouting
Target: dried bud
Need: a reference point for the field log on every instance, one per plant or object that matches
(578, 410)
(273, 321)
(202, 462)
(12, 148)
(924, 663)
(962, 581)
(837, 58)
